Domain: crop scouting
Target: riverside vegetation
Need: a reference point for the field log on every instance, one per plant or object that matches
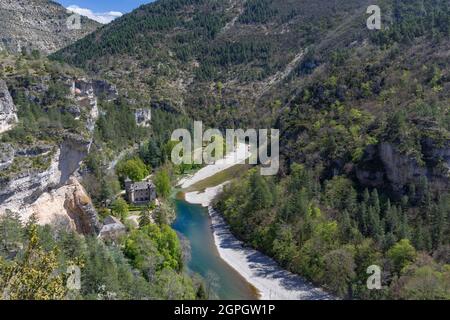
(363, 117)
(147, 262)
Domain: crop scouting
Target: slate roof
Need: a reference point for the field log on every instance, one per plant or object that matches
(144, 185)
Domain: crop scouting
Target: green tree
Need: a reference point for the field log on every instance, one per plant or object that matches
(144, 218)
(401, 254)
(173, 286)
(35, 276)
(340, 194)
(201, 292)
(425, 283)
(162, 183)
(35, 54)
(284, 246)
(142, 242)
(151, 154)
(11, 231)
(135, 169)
(120, 208)
(339, 271)
(164, 214)
(260, 196)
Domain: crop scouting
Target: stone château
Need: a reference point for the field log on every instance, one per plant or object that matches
(140, 192)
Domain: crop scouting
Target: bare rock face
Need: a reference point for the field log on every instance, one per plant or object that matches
(36, 177)
(143, 117)
(105, 90)
(38, 24)
(6, 156)
(399, 168)
(8, 111)
(68, 206)
(384, 166)
(112, 229)
(80, 209)
(99, 88)
(20, 191)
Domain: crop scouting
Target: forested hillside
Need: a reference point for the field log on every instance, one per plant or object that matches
(363, 114)
(221, 61)
(53, 133)
(34, 264)
(366, 153)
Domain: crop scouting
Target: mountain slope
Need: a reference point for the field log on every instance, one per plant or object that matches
(217, 60)
(38, 24)
(312, 68)
(329, 83)
(363, 115)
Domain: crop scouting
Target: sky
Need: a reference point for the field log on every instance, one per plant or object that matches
(103, 11)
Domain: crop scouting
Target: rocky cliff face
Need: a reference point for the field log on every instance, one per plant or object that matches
(53, 195)
(384, 166)
(24, 188)
(37, 167)
(38, 24)
(68, 206)
(8, 112)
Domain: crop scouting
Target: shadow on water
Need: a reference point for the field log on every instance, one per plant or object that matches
(194, 223)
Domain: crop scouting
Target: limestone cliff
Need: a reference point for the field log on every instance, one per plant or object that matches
(68, 206)
(22, 189)
(8, 112)
(38, 24)
(384, 166)
(143, 117)
(41, 155)
(52, 195)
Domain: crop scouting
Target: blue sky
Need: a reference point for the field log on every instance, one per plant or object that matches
(103, 11)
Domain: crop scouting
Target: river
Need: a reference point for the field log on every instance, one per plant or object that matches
(193, 222)
(240, 272)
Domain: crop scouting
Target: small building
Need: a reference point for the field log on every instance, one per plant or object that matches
(140, 192)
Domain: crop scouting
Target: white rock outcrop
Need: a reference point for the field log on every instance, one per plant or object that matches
(69, 206)
(39, 24)
(19, 193)
(8, 111)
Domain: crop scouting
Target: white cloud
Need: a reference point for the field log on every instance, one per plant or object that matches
(102, 17)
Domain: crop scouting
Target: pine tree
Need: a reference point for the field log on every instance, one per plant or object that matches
(419, 237)
(261, 198)
(10, 230)
(403, 227)
(345, 227)
(364, 219)
(389, 240)
(374, 223)
(366, 197)
(391, 218)
(144, 218)
(425, 192)
(375, 202)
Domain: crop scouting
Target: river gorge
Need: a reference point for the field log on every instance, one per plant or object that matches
(232, 268)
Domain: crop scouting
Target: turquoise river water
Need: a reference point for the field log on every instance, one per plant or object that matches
(193, 222)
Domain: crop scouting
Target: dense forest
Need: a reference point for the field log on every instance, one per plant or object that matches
(209, 59)
(365, 128)
(148, 261)
(364, 182)
(148, 264)
(331, 233)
